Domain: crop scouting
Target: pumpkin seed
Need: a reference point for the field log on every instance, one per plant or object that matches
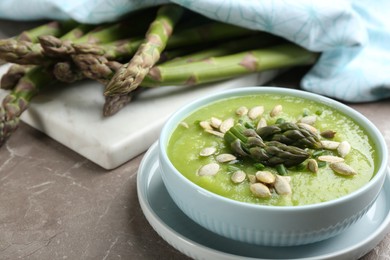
(213, 132)
(226, 125)
(330, 158)
(242, 111)
(308, 127)
(205, 125)
(255, 112)
(262, 122)
(225, 157)
(238, 176)
(330, 145)
(252, 178)
(265, 177)
(260, 190)
(344, 148)
(210, 169)
(328, 134)
(342, 168)
(312, 165)
(208, 151)
(215, 122)
(282, 186)
(310, 120)
(276, 110)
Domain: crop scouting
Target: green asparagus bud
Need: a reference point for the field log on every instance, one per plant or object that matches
(131, 74)
(12, 76)
(21, 52)
(67, 72)
(247, 143)
(290, 134)
(23, 48)
(18, 100)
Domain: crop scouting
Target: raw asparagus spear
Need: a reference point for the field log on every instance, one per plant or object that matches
(52, 46)
(97, 63)
(17, 101)
(12, 76)
(23, 52)
(131, 74)
(66, 72)
(97, 67)
(290, 134)
(219, 68)
(115, 103)
(238, 45)
(55, 28)
(135, 25)
(211, 70)
(195, 36)
(247, 143)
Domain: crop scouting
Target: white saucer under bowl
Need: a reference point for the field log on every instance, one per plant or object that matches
(198, 243)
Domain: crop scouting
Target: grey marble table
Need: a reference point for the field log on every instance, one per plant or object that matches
(55, 204)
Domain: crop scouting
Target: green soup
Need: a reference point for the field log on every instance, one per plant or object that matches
(189, 138)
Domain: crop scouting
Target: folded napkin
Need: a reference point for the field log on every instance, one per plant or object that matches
(352, 35)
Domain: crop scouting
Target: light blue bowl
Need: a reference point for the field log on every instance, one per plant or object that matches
(270, 225)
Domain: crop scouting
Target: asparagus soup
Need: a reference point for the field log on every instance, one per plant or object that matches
(273, 150)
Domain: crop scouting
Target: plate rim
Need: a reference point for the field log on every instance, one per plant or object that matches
(168, 234)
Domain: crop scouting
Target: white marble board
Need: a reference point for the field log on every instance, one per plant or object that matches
(72, 115)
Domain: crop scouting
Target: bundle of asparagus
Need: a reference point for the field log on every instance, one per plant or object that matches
(149, 48)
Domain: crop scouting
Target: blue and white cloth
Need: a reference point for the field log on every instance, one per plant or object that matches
(352, 35)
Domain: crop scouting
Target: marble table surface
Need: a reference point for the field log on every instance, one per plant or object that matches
(56, 204)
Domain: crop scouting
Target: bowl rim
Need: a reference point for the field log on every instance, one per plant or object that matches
(358, 118)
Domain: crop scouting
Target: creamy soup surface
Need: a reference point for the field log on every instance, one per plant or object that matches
(307, 187)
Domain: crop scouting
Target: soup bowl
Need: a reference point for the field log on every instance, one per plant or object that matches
(271, 225)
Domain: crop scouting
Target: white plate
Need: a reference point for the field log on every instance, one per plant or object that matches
(196, 242)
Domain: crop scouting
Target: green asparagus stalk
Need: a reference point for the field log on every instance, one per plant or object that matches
(116, 50)
(225, 67)
(12, 76)
(55, 28)
(212, 32)
(247, 143)
(22, 52)
(290, 134)
(131, 74)
(214, 69)
(239, 45)
(115, 103)
(102, 70)
(55, 47)
(18, 100)
(52, 46)
(96, 67)
(92, 59)
(66, 71)
(19, 50)
(195, 36)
